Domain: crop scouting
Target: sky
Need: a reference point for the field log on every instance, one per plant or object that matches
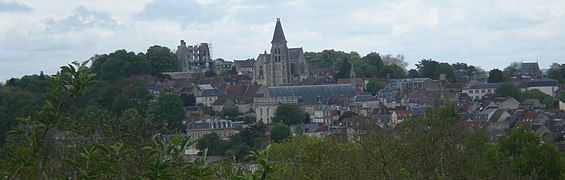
(39, 35)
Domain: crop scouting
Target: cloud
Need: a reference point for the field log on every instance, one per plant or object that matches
(184, 12)
(82, 18)
(13, 7)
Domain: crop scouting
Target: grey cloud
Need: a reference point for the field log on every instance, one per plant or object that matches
(13, 7)
(184, 12)
(81, 19)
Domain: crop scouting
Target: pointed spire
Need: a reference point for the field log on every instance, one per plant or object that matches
(278, 36)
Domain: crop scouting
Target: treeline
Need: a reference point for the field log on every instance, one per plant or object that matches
(432, 146)
(121, 79)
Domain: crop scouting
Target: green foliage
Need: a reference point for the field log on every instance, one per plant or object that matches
(542, 97)
(413, 73)
(170, 110)
(120, 64)
(509, 89)
(230, 111)
(495, 76)
(374, 87)
(427, 68)
(529, 156)
(557, 72)
(266, 167)
(511, 70)
(279, 132)
(162, 59)
(120, 104)
(444, 68)
(288, 114)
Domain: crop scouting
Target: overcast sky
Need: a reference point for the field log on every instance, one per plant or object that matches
(38, 35)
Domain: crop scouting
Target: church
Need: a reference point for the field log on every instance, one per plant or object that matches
(282, 65)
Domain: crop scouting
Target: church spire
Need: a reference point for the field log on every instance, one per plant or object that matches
(278, 36)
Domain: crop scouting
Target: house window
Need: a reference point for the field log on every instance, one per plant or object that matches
(482, 91)
(489, 90)
(261, 112)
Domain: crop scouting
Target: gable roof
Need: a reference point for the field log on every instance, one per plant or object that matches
(278, 36)
(530, 69)
(244, 63)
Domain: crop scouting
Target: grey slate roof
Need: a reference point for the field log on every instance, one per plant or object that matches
(294, 53)
(531, 69)
(311, 93)
(542, 82)
(364, 98)
(484, 86)
(278, 36)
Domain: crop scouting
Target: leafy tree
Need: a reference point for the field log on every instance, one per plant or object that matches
(529, 156)
(120, 104)
(374, 59)
(306, 119)
(170, 110)
(458, 66)
(230, 112)
(427, 68)
(393, 71)
(511, 69)
(288, 114)
(397, 60)
(210, 73)
(508, 89)
(374, 87)
(162, 59)
(210, 142)
(557, 72)
(445, 68)
(413, 73)
(279, 132)
(495, 76)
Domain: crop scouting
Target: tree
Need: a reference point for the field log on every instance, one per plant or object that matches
(427, 68)
(120, 104)
(374, 87)
(170, 111)
(162, 59)
(511, 70)
(374, 59)
(397, 60)
(529, 156)
(413, 73)
(210, 142)
(495, 76)
(279, 132)
(508, 89)
(306, 119)
(557, 72)
(230, 111)
(188, 100)
(288, 114)
(393, 71)
(446, 69)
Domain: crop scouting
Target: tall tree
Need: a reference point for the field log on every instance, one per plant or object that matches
(446, 69)
(557, 72)
(413, 73)
(162, 59)
(511, 69)
(397, 60)
(374, 87)
(508, 89)
(495, 76)
(170, 110)
(427, 68)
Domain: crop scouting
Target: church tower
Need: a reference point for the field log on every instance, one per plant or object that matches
(280, 66)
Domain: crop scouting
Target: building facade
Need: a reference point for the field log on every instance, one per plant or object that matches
(281, 66)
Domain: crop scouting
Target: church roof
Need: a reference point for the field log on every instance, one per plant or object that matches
(294, 53)
(313, 94)
(278, 36)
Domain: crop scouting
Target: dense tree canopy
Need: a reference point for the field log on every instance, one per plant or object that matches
(162, 59)
(288, 114)
(508, 89)
(279, 132)
(495, 76)
(557, 72)
(445, 69)
(374, 87)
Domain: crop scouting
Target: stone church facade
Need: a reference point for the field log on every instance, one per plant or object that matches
(282, 65)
